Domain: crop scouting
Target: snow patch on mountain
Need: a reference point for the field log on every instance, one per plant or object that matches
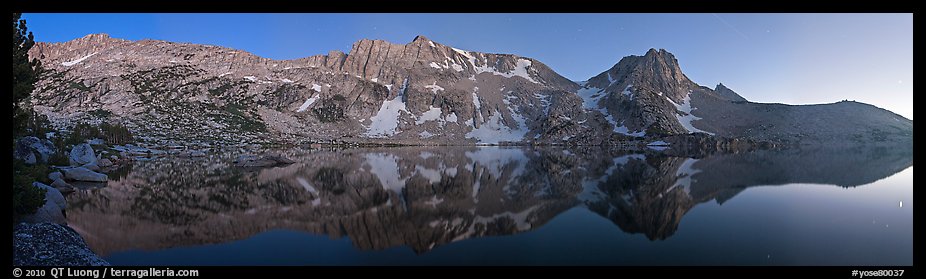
(590, 97)
(452, 117)
(627, 91)
(434, 87)
(477, 105)
(386, 120)
(77, 61)
(432, 114)
(519, 70)
(494, 130)
(544, 102)
(621, 129)
(686, 120)
(305, 105)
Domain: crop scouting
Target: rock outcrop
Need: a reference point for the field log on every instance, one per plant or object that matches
(32, 150)
(50, 244)
(52, 210)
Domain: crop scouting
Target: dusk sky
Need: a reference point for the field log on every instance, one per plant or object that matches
(781, 58)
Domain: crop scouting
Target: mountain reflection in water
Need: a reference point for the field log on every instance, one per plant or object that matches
(426, 197)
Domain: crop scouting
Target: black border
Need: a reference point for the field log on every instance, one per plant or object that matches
(445, 6)
(448, 6)
(437, 272)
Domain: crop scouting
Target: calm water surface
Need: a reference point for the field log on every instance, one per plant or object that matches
(507, 206)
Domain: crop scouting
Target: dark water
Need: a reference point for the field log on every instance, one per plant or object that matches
(508, 206)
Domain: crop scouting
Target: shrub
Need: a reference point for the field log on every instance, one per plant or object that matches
(27, 198)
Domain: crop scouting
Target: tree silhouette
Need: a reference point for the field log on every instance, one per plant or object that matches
(26, 198)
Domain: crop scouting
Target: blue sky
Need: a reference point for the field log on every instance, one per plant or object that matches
(783, 58)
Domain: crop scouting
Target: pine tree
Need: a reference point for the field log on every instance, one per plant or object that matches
(25, 72)
(26, 198)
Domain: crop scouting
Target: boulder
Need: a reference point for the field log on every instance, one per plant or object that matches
(25, 156)
(55, 176)
(62, 186)
(50, 244)
(82, 154)
(52, 194)
(105, 163)
(92, 166)
(84, 174)
(51, 211)
(32, 150)
(265, 161)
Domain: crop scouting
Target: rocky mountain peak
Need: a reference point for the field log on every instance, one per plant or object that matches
(420, 38)
(98, 38)
(657, 72)
(726, 93)
(657, 52)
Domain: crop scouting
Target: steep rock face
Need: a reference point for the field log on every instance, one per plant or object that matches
(645, 95)
(417, 92)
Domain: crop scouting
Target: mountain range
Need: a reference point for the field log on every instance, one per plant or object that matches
(422, 92)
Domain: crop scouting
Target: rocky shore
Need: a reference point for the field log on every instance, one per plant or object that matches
(44, 238)
(51, 244)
